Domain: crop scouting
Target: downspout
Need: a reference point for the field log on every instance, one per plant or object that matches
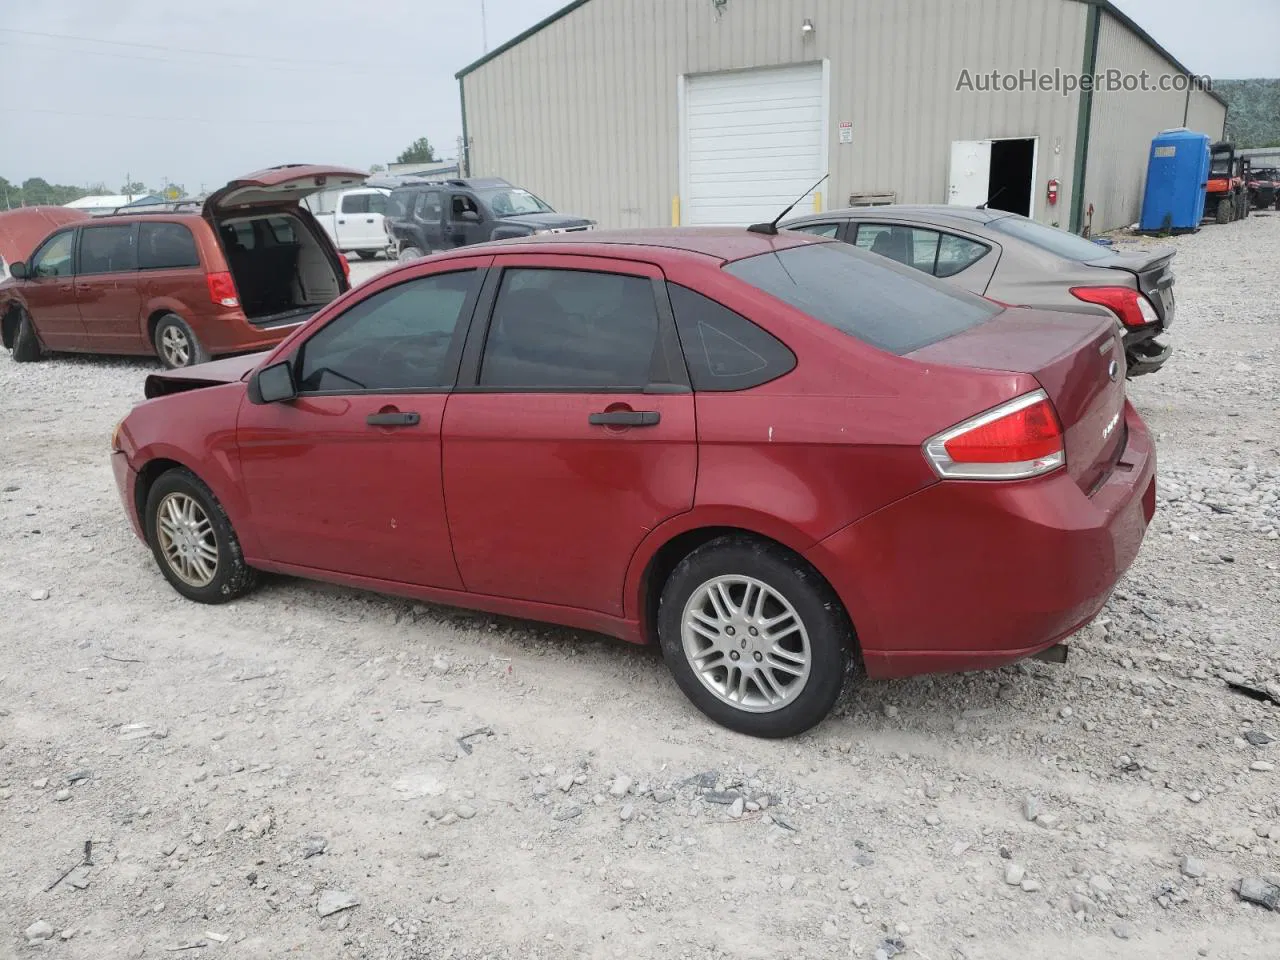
(465, 159)
(1087, 69)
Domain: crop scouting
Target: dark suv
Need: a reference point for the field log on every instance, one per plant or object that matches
(427, 215)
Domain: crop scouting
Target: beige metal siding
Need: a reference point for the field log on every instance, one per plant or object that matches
(1206, 115)
(585, 112)
(1123, 124)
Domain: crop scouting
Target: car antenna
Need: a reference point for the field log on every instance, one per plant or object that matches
(995, 196)
(771, 229)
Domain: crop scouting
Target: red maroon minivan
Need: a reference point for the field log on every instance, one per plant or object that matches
(777, 456)
(238, 274)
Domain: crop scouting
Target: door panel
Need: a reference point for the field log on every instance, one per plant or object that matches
(572, 436)
(545, 506)
(970, 173)
(107, 288)
(50, 293)
(331, 492)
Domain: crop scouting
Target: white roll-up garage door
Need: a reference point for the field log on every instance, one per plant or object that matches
(753, 143)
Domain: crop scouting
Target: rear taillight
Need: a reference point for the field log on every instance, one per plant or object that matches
(1016, 440)
(1133, 309)
(222, 289)
(346, 268)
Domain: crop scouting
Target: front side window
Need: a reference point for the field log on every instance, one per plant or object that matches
(401, 338)
(460, 204)
(878, 302)
(910, 246)
(818, 229)
(54, 258)
(108, 249)
(571, 329)
(723, 350)
(166, 246)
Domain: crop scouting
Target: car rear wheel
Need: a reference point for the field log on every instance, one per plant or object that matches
(368, 254)
(176, 343)
(193, 541)
(410, 253)
(25, 344)
(754, 637)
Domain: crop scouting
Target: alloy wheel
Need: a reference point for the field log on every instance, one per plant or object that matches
(187, 540)
(176, 346)
(746, 643)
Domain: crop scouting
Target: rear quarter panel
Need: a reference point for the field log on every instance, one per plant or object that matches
(1030, 277)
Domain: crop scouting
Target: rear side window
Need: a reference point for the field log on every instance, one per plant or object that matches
(429, 205)
(571, 329)
(283, 230)
(1064, 244)
(956, 254)
(399, 203)
(166, 246)
(108, 249)
(364, 203)
(890, 307)
(723, 350)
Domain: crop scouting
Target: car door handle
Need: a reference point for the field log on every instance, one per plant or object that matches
(625, 418)
(392, 419)
(342, 221)
(370, 220)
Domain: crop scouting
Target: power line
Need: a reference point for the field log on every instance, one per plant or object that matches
(189, 63)
(168, 49)
(229, 120)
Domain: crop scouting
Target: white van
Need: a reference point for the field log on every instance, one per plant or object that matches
(353, 218)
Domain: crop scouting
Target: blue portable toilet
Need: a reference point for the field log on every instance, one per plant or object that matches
(1177, 171)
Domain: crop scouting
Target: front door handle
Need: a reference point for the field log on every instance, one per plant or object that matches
(342, 221)
(370, 220)
(392, 419)
(625, 418)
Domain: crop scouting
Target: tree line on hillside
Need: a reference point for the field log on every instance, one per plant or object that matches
(36, 191)
(1253, 111)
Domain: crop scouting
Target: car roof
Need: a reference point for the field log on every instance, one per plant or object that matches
(722, 243)
(932, 212)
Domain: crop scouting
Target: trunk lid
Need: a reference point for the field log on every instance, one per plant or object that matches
(284, 184)
(1077, 359)
(1154, 271)
(210, 374)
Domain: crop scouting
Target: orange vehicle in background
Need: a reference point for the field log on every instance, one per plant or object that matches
(1227, 192)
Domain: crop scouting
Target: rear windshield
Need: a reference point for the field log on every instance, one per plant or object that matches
(881, 303)
(1064, 244)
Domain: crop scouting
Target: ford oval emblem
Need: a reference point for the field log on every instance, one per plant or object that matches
(1113, 370)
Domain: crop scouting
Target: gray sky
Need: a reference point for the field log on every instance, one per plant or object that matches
(199, 92)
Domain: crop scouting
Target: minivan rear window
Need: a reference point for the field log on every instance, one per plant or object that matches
(1064, 244)
(889, 306)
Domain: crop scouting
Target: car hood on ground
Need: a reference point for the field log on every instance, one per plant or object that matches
(547, 221)
(22, 230)
(210, 374)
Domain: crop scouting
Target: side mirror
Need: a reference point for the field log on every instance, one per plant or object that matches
(18, 270)
(469, 216)
(273, 384)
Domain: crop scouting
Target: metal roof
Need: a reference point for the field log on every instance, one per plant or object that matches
(568, 8)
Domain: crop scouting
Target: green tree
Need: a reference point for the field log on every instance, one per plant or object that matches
(377, 168)
(420, 151)
(134, 186)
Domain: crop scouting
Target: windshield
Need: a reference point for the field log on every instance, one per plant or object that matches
(514, 202)
(889, 306)
(1064, 244)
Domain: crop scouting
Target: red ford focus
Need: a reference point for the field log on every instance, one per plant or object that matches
(776, 456)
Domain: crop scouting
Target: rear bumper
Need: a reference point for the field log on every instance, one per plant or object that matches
(126, 486)
(967, 575)
(1143, 352)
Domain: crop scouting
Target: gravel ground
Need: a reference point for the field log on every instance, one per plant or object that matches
(453, 785)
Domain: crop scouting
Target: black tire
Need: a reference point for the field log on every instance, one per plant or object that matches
(1246, 206)
(231, 577)
(1225, 212)
(368, 254)
(814, 603)
(26, 345)
(410, 253)
(177, 344)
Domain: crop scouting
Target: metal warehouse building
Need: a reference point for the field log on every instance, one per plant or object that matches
(647, 112)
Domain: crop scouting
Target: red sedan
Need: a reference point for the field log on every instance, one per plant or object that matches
(776, 456)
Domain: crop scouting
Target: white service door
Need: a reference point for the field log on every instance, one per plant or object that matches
(753, 143)
(970, 172)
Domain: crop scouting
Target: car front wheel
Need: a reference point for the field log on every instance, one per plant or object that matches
(25, 345)
(410, 253)
(754, 637)
(193, 541)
